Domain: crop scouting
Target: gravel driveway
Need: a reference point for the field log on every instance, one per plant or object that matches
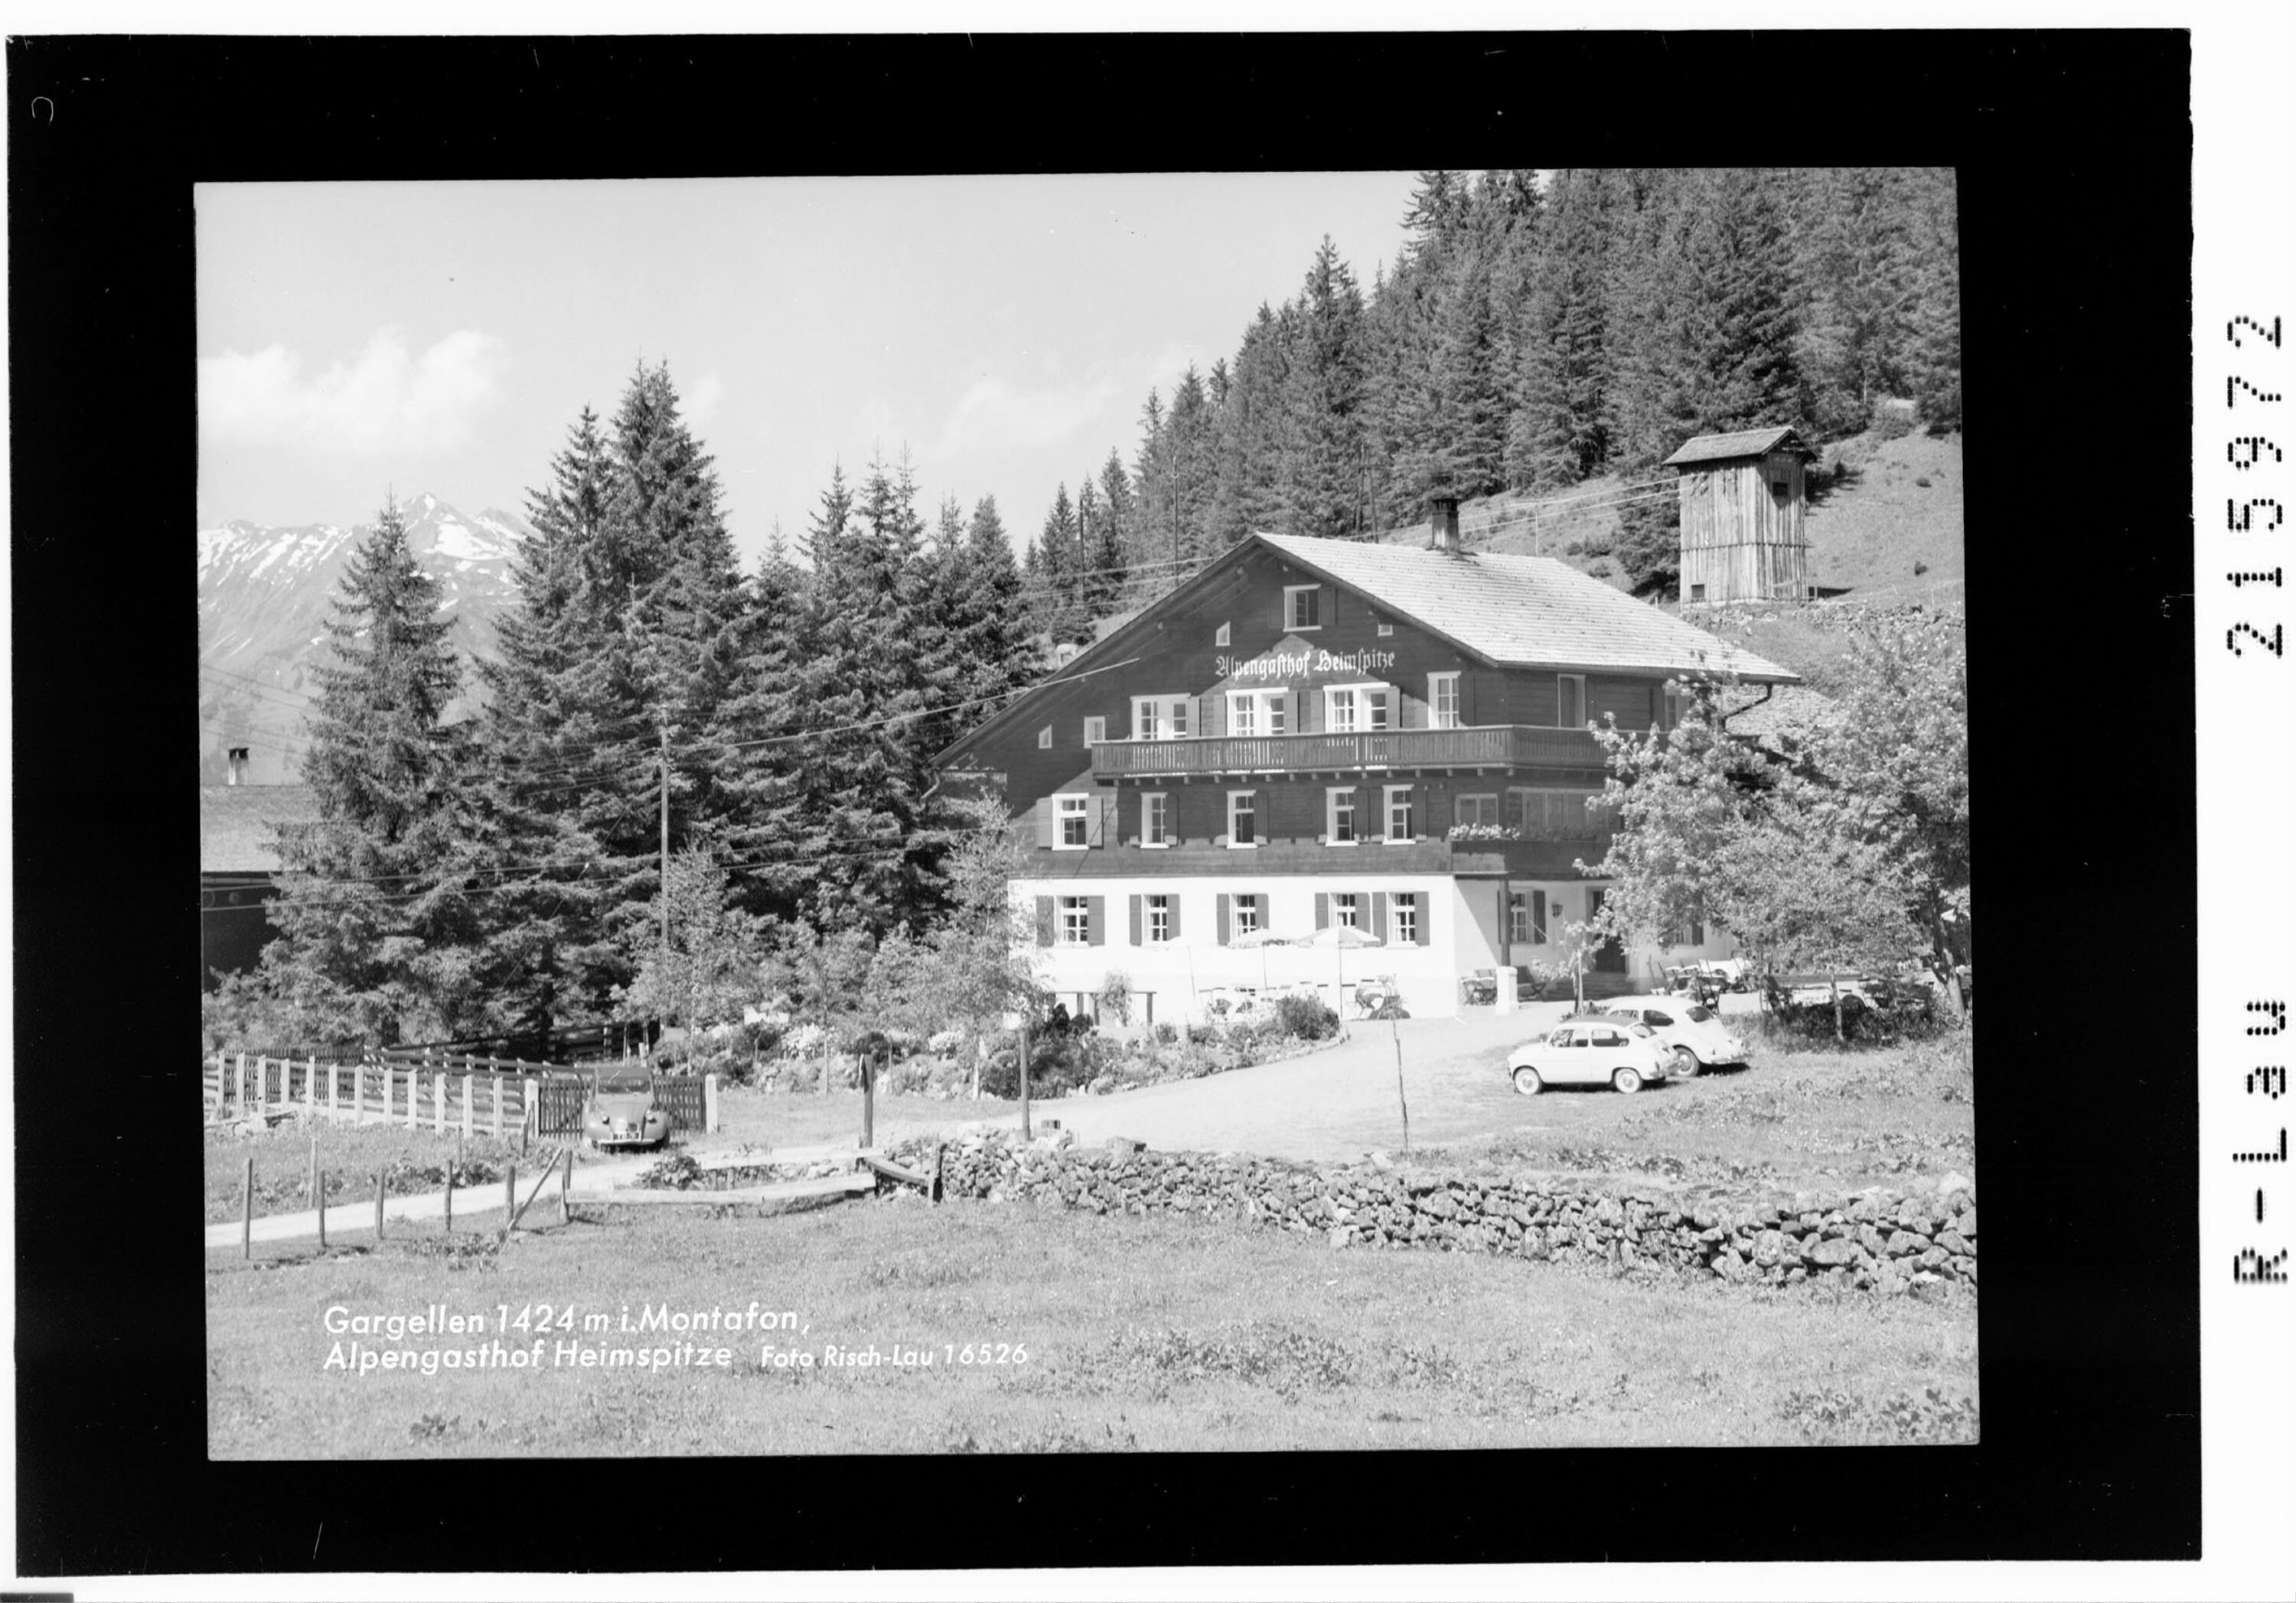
(1340, 1103)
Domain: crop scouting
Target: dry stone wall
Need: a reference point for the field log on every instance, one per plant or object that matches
(1882, 1240)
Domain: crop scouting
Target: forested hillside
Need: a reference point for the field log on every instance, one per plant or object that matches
(1537, 336)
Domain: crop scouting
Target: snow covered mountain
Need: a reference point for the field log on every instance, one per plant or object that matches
(263, 597)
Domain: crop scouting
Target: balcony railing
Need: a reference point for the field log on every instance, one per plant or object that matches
(1482, 746)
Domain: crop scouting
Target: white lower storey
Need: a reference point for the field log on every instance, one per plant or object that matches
(1468, 925)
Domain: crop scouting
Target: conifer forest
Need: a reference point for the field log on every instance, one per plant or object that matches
(770, 732)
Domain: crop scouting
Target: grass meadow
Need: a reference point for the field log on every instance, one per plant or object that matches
(1139, 1333)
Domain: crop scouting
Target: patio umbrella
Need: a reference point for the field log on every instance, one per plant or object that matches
(1264, 938)
(1339, 938)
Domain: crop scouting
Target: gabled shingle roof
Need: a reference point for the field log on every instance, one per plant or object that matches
(1721, 447)
(1524, 612)
(237, 824)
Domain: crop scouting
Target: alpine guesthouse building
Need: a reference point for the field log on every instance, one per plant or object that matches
(1341, 765)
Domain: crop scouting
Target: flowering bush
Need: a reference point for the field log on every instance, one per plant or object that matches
(1484, 831)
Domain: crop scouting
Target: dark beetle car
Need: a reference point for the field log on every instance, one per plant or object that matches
(622, 1115)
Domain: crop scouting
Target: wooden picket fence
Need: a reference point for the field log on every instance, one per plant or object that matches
(493, 1104)
(465, 1097)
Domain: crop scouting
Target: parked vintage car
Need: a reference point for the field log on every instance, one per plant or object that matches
(1693, 1034)
(1598, 1050)
(621, 1116)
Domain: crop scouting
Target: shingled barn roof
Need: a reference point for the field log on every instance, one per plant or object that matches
(238, 825)
(1745, 442)
(1525, 611)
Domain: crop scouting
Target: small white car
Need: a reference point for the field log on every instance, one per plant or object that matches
(1693, 1035)
(1589, 1052)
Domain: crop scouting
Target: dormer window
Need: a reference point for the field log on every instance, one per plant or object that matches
(1303, 607)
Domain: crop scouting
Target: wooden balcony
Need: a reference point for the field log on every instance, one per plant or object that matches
(1513, 859)
(1479, 748)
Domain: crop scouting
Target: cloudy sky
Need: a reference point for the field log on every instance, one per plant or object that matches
(441, 337)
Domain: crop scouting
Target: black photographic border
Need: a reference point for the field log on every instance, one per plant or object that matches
(2074, 153)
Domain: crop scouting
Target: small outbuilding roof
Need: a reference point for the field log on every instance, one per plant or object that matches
(1745, 442)
(239, 825)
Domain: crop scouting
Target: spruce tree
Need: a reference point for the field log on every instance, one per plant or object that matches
(1562, 366)
(538, 917)
(379, 931)
(866, 774)
(757, 736)
(1191, 453)
(1324, 490)
(1060, 605)
(994, 640)
(1933, 358)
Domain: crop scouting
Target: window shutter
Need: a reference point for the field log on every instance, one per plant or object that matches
(1538, 915)
(1095, 926)
(1209, 721)
(1424, 922)
(1047, 821)
(1226, 919)
(1044, 921)
(1172, 916)
(1136, 921)
(1295, 717)
(1379, 913)
(1323, 910)
(1110, 828)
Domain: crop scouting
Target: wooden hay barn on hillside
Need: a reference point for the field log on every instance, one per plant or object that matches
(1741, 496)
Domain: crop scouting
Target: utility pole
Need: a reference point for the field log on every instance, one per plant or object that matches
(665, 852)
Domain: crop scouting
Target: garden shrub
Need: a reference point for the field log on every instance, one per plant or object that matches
(1309, 1018)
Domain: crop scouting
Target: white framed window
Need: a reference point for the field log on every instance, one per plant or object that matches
(1385, 630)
(1442, 701)
(1243, 818)
(1698, 592)
(1095, 731)
(1480, 809)
(1160, 717)
(1255, 712)
(1347, 910)
(1075, 823)
(1219, 636)
(1246, 912)
(1675, 701)
(1561, 812)
(1160, 920)
(1076, 922)
(1339, 815)
(1155, 819)
(1403, 907)
(1689, 928)
(1570, 701)
(1527, 917)
(1045, 738)
(1303, 607)
(1352, 708)
(1401, 825)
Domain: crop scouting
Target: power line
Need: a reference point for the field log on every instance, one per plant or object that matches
(857, 847)
(807, 734)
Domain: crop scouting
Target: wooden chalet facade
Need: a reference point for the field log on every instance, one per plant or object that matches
(1311, 733)
(1742, 497)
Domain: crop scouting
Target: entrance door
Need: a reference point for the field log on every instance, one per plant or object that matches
(1609, 957)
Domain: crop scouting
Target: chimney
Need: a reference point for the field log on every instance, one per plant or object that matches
(236, 765)
(1443, 513)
